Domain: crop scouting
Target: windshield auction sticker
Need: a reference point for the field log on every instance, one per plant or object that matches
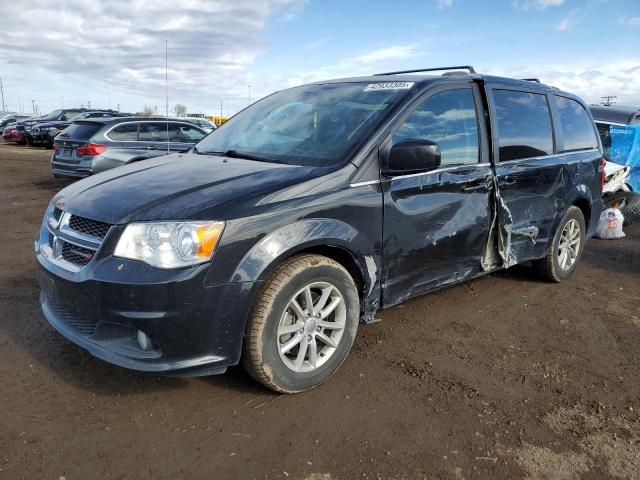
(388, 86)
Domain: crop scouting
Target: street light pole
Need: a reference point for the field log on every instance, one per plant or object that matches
(2, 93)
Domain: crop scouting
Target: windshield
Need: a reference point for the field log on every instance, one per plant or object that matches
(52, 116)
(314, 125)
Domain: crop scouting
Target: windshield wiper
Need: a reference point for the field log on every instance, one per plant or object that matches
(237, 154)
(195, 150)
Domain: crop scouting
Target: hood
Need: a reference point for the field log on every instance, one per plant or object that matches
(173, 187)
(53, 123)
(34, 118)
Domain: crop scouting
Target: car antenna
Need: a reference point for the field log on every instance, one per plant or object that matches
(166, 87)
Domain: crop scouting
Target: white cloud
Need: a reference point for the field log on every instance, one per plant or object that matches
(618, 77)
(526, 5)
(119, 44)
(395, 52)
(442, 4)
(568, 22)
(365, 63)
(630, 21)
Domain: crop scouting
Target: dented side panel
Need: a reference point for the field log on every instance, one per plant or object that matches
(436, 229)
(532, 194)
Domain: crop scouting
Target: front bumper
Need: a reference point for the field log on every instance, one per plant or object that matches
(194, 329)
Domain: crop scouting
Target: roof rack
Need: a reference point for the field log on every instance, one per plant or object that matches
(434, 69)
(537, 80)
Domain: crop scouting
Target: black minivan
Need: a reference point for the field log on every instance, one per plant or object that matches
(308, 212)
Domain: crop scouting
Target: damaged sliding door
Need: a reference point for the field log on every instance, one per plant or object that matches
(436, 223)
(530, 178)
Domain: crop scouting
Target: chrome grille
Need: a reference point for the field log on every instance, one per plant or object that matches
(76, 254)
(89, 227)
(72, 240)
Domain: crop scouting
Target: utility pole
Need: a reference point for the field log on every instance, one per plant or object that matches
(155, 108)
(118, 107)
(89, 103)
(2, 93)
(608, 100)
(33, 105)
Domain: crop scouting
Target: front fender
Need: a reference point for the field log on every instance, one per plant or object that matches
(284, 242)
(289, 239)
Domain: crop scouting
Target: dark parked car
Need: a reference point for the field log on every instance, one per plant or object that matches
(25, 126)
(94, 145)
(6, 118)
(311, 210)
(42, 134)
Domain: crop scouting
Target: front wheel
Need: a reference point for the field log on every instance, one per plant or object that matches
(303, 323)
(566, 249)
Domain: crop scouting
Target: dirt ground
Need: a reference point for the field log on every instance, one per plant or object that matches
(501, 377)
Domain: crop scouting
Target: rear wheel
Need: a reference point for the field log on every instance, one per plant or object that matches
(631, 210)
(566, 249)
(303, 324)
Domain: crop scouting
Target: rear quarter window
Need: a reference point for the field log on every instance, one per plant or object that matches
(524, 125)
(82, 131)
(191, 134)
(127, 132)
(577, 128)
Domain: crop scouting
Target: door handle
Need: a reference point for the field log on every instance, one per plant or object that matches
(151, 147)
(508, 180)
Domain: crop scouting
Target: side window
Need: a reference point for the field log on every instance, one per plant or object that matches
(524, 125)
(127, 132)
(448, 119)
(157, 132)
(191, 134)
(577, 128)
(69, 115)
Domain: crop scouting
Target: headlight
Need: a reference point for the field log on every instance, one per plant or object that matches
(170, 244)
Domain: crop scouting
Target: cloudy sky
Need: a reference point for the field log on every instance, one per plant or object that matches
(111, 52)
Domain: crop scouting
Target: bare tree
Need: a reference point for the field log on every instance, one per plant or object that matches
(147, 111)
(180, 110)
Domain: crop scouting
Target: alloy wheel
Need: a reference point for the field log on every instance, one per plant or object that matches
(311, 326)
(569, 245)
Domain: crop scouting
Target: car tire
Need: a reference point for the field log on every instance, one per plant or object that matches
(564, 252)
(631, 210)
(324, 333)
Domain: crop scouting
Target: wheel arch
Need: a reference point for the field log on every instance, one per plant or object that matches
(585, 207)
(327, 237)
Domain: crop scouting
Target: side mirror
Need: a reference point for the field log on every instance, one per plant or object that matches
(412, 156)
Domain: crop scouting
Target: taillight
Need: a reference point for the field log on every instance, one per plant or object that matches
(603, 175)
(91, 149)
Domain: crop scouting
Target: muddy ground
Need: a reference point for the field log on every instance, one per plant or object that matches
(501, 377)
